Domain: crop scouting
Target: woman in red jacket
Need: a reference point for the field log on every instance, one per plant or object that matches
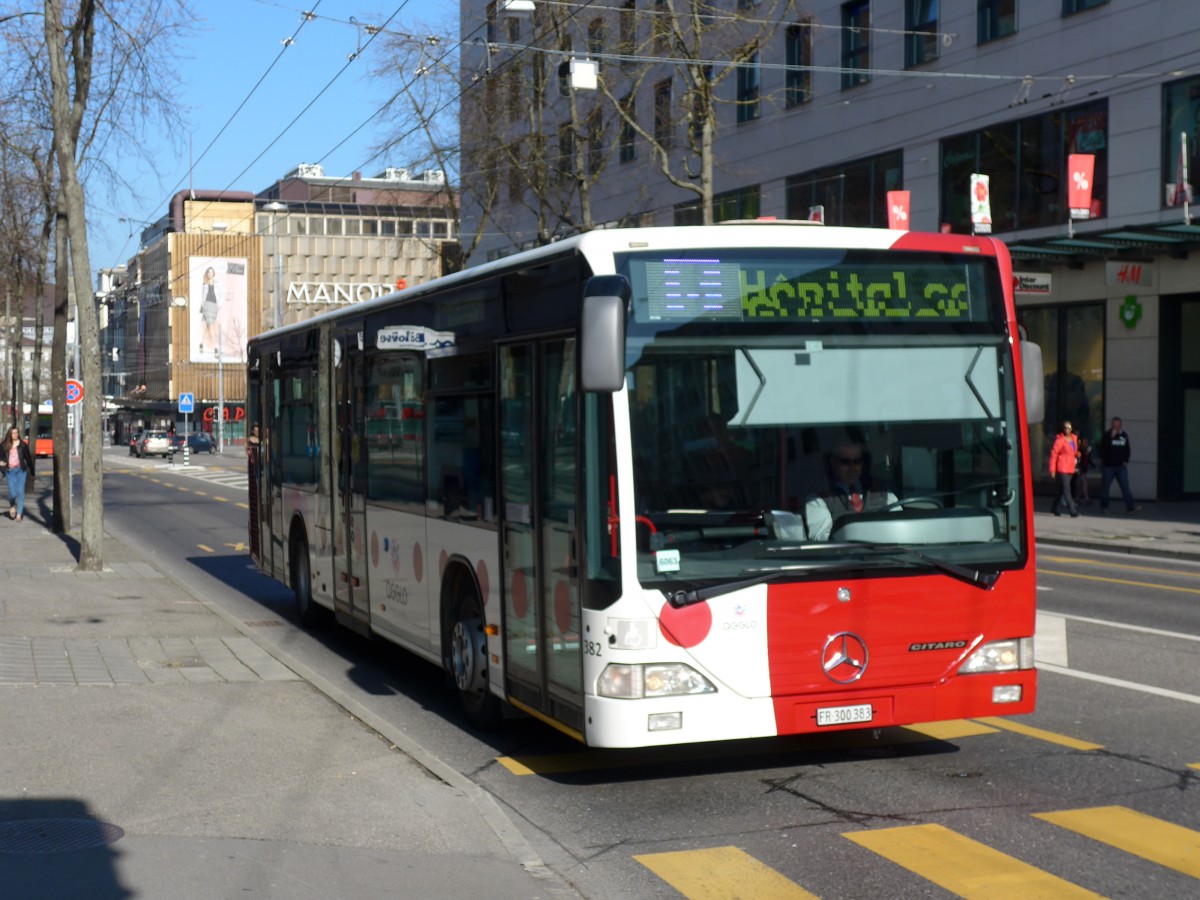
(1063, 457)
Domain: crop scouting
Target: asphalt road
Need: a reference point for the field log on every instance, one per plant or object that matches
(1098, 791)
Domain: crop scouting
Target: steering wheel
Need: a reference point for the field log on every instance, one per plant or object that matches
(926, 501)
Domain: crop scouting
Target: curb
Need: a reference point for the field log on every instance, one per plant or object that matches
(485, 804)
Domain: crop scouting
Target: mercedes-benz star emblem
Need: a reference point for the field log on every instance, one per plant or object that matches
(844, 658)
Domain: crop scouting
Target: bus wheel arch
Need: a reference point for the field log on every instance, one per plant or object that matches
(464, 646)
(308, 611)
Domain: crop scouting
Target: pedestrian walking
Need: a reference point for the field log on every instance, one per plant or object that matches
(1080, 483)
(1114, 459)
(17, 463)
(1063, 456)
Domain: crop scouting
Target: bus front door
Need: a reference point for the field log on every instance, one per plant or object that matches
(350, 480)
(539, 493)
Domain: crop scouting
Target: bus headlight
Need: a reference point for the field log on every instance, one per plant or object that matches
(1000, 656)
(633, 682)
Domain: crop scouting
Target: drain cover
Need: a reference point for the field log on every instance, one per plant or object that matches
(55, 835)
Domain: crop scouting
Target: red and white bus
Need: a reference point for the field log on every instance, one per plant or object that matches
(584, 480)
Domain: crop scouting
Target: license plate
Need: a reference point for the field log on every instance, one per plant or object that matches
(844, 715)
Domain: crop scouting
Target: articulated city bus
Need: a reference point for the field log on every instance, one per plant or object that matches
(612, 481)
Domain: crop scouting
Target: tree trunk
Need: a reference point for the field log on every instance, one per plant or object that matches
(67, 114)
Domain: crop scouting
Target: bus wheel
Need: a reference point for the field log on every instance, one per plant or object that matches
(309, 613)
(468, 664)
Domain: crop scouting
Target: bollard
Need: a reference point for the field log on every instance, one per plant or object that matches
(171, 456)
(187, 452)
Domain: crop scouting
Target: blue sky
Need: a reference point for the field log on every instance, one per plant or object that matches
(232, 48)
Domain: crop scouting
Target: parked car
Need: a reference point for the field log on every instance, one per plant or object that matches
(133, 443)
(154, 443)
(196, 442)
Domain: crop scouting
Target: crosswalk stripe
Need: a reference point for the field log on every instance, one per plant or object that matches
(1126, 829)
(721, 873)
(965, 867)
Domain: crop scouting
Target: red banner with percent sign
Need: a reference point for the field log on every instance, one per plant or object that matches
(1082, 167)
(897, 202)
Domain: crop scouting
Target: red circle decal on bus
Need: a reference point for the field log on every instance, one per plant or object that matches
(685, 626)
(374, 549)
(418, 562)
(481, 573)
(562, 608)
(520, 595)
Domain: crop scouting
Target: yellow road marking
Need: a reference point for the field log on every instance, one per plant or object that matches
(220, 499)
(201, 494)
(243, 505)
(185, 490)
(721, 873)
(1100, 564)
(952, 730)
(1145, 584)
(964, 866)
(1040, 734)
(238, 547)
(1194, 765)
(1162, 842)
(206, 549)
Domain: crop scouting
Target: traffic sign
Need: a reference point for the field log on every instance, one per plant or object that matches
(187, 403)
(74, 391)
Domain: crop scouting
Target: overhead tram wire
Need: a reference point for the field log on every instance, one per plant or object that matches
(287, 43)
(305, 19)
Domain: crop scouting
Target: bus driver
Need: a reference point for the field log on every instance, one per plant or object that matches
(850, 491)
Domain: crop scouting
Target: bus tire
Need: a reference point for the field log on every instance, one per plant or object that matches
(310, 614)
(468, 663)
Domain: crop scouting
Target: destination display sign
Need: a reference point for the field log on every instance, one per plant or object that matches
(809, 286)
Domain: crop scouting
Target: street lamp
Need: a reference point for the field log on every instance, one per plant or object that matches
(274, 208)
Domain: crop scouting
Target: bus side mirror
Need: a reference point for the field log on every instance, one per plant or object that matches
(602, 334)
(1035, 382)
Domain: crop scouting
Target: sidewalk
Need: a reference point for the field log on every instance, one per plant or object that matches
(150, 748)
(1157, 529)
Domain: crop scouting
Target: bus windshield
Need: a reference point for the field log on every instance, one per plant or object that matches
(818, 407)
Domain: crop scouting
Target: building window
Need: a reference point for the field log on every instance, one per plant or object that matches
(661, 28)
(749, 83)
(627, 32)
(743, 203)
(1074, 6)
(1026, 163)
(566, 151)
(996, 19)
(1181, 116)
(353, 227)
(853, 193)
(797, 83)
(702, 104)
(627, 149)
(856, 43)
(597, 38)
(333, 226)
(1072, 342)
(664, 126)
(595, 141)
(921, 42)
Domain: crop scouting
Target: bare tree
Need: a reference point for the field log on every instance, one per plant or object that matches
(89, 92)
(666, 74)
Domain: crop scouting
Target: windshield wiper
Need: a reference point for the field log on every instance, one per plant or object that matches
(699, 595)
(982, 580)
(985, 581)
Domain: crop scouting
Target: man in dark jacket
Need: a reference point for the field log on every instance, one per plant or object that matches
(1114, 457)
